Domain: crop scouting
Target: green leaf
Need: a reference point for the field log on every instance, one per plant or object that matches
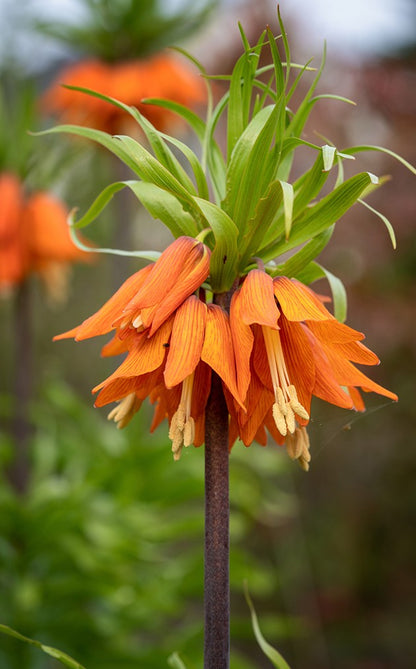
(53, 652)
(384, 219)
(328, 155)
(241, 86)
(175, 661)
(144, 255)
(296, 263)
(160, 204)
(314, 272)
(322, 215)
(280, 194)
(98, 136)
(367, 147)
(251, 156)
(339, 295)
(196, 166)
(151, 170)
(224, 257)
(271, 653)
(163, 205)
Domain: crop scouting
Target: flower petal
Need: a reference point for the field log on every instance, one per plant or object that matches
(145, 355)
(103, 320)
(299, 361)
(186, 341)
(218, 351)
(326, 386)
(258, 304)
(348, 375)
(298, 302)
(179, 271)
(243, 339)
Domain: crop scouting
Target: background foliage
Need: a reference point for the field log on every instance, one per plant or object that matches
(103, 556)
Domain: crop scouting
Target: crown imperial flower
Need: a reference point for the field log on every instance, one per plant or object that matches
(237, 304)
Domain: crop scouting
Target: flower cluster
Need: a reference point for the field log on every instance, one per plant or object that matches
(277, 347)
(34, 237)
(161, 76)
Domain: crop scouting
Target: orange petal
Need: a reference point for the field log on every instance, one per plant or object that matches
(333, 331)
(297, 302)
(103, 320)
(13, 251)
(218, 351)
(243, 339)
(326, 386)
(357, 352)
(115, 346)
(261, 436)
(299, 360)
(186, 341)
(145, 355)
(49, 239)
(200, 390)
(356, 398)
(184, 256)
(348, 375)
(258, 304)
(258, 401)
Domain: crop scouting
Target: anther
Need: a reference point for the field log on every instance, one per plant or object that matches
(295, 404)
(279, 419)
(125, 410)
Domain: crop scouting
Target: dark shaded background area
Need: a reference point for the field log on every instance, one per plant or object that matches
(103, 558)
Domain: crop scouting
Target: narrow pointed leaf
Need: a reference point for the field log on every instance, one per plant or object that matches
(339, 295)
(224, 257)
(296, 263)
(158, 202)
(367, 147)
(385, 220)
(319, 217)
(151, 170)
(328, 155)
(52, 652)
(175, 661)
(271, 653)
(144, 255)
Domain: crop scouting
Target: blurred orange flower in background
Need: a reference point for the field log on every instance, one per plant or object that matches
(161, 76)
(34, 237)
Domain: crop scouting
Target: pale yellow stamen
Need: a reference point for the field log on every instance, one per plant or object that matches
(138, 323)
(287, 405)
(125, 410)
(297, 446)
(182, 425)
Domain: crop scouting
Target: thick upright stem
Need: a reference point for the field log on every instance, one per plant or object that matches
(19, 470)
(217, 535)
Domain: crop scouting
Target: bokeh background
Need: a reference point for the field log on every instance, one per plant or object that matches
(101, 554)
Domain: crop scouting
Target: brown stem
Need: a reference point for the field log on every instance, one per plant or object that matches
(217, 512)
(19, 471)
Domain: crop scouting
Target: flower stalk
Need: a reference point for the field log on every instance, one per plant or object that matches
(217, 523)
(19, 470)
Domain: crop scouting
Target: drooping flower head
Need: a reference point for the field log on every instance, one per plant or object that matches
(34, 238)
(247, 235)
(161, 76)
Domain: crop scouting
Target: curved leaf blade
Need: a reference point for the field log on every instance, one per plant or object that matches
(271, 653)
(52, 652)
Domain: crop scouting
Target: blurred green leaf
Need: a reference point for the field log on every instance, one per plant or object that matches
(53, 652)
(271, 653)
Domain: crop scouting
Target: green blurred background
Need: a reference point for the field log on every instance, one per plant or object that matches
(103, 556)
